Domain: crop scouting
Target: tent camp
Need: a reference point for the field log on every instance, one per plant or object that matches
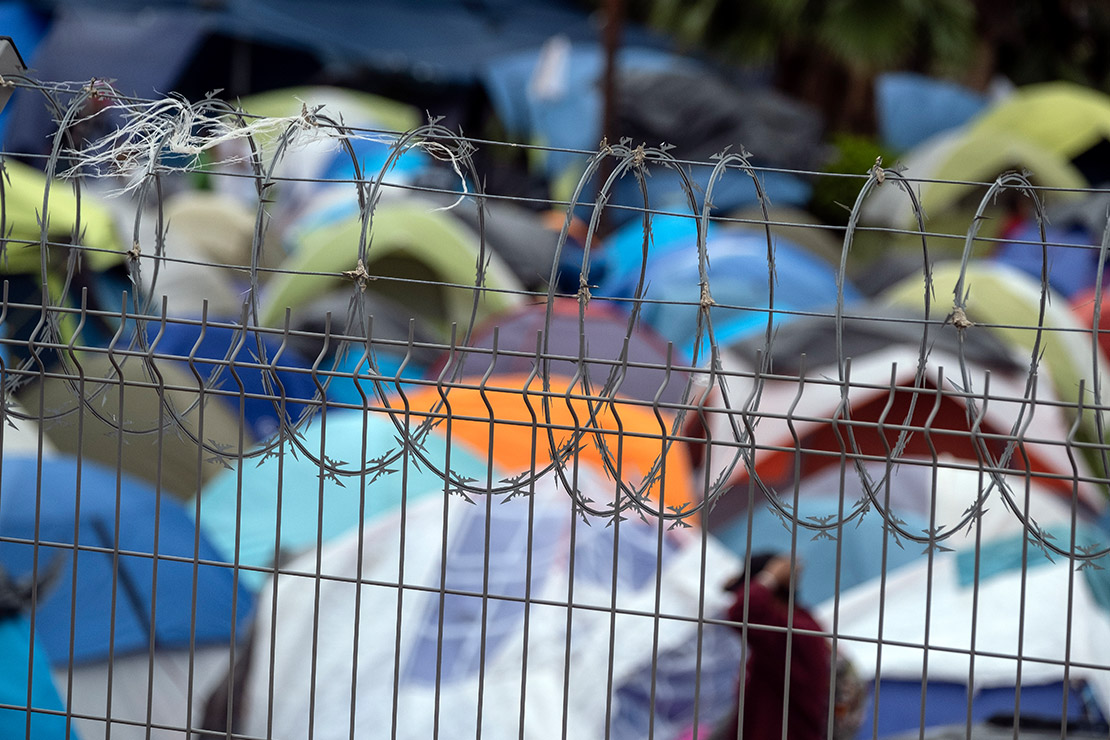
(454, 647)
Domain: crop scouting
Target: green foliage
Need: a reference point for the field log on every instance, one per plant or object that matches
(833, 194)
(866, 35)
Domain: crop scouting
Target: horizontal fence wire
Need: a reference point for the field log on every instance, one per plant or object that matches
(372, 452)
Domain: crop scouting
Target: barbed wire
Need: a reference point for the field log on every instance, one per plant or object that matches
(724, 401)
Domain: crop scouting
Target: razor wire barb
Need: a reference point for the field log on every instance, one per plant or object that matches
(170, 136)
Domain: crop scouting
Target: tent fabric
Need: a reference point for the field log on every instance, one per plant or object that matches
(480, 648)
(410, 245)
(957, 158)
(43, 501)
(24, 188)
(867, 328)
(209, 345)
(1061, 616)
(179, 675)
(845, 557)
(738, 283)
(17, 651)
(506, 426)
(791, 416)
(1007, 302)
(286, 503)
(946, 704)
(1072, 256)
(913, 107)
(1064, 118)
(604, 329)
(172, 461)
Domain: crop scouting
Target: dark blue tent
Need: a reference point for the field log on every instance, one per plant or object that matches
(137, 559)
(262, 390)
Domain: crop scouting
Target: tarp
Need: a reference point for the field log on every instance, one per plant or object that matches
(116, 592)
(604, 330)
(475, 658)
(288, 502)
(502, 417)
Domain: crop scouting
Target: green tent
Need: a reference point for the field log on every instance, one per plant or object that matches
(421, 258)
(1006, 302)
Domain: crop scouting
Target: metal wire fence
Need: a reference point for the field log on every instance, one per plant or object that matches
(327, 441)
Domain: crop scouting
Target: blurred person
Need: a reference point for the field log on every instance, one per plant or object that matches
(769, 679)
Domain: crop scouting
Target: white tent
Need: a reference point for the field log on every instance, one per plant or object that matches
(496, 646)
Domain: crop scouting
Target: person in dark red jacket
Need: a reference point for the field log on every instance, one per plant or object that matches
(787, 672)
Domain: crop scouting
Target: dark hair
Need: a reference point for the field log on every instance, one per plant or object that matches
(758, 563)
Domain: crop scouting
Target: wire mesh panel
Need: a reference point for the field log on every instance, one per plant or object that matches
(308, 435)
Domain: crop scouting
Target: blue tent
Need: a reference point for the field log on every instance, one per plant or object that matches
(738, 280)
(122, 530)
(239, 508)
(17, 655)
(1071, 269)
(209, 345)
(912, 107)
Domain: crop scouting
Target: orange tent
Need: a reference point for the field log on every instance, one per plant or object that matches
(515, 426)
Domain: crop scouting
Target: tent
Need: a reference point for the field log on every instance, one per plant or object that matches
(918, 499)
(999, 616)
(306, 493)
(1072, 255)
(508, 418)
(230, 358)
(117, 602)
(474, 634)
(150, 446)
(419, 257)
(25, 682)
(318, 163)
(912, 107)
(1064, 118)
(550, 95)
(801, 426)
(738, 284)
(604, 330)
(1006, 302)
(944, 171)
(867, 328)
